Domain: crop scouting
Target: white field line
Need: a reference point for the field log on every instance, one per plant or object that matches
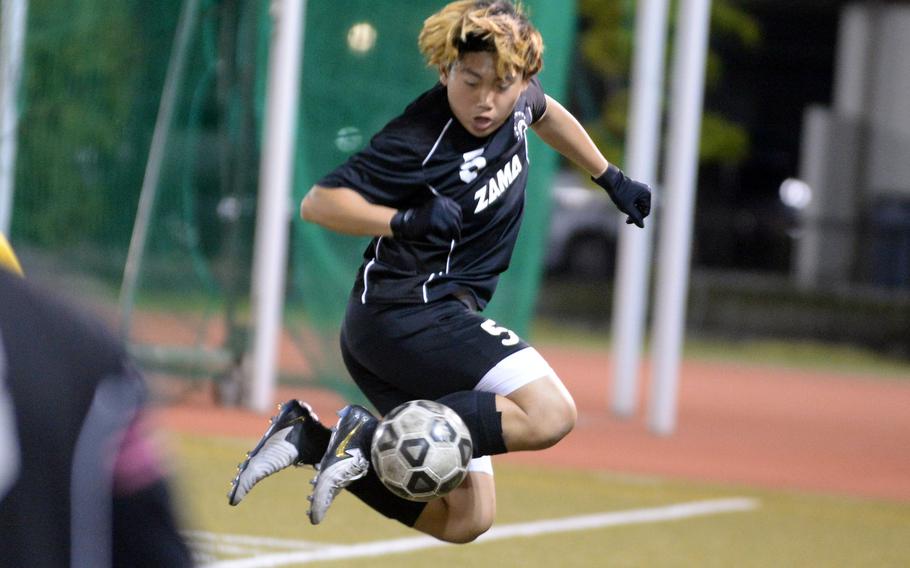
(261, 541)
(569, 524)
(208, 547)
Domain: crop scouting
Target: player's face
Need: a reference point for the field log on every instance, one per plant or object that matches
(479, 99)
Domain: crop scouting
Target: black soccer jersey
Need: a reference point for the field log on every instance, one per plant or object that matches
(425, 152)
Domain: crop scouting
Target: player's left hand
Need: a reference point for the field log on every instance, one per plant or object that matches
(631, 197)
(440, 217)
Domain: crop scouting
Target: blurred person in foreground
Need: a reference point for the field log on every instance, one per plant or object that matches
(80, 482)
(441, 189)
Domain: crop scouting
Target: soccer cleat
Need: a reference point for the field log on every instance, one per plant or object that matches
(291, 439)
(346, 460)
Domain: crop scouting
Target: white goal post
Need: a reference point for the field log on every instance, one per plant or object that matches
(12, 52)
(276, 176)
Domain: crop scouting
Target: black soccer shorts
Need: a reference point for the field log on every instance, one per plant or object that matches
(401, 352)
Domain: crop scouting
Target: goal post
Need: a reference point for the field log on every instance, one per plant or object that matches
(270, 250)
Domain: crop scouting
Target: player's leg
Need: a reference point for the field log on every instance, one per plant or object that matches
(345, 461)
(520, 404)
(429, 352)
(460, 516)
(465, 513)
(536, 409)
(523, 406)
(295, 436)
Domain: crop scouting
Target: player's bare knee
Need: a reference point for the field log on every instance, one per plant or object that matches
(555, 423)
(470, 530)
(476, 531)
(568, 417)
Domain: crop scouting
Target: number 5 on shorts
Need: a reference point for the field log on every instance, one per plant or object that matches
(490, 327)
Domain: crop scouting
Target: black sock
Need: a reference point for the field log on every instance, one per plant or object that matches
(371, 491)
(315, 441)
(478, 410)
(374, 493)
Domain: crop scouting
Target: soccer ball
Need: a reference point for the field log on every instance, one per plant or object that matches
(421, 450)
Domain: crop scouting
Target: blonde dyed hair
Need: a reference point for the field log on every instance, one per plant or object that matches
(499, 27)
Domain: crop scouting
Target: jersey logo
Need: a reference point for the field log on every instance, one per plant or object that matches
(473, 163)
(497, 185)
(340, 452)
(521, 124)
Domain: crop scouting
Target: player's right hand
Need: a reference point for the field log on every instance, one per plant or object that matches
(439, 217)
(631, 197)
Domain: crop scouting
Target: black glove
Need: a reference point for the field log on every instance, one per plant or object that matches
(631, 197)
(439, 217)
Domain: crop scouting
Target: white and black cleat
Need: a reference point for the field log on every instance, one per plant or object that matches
(289, 440)
(345, 461)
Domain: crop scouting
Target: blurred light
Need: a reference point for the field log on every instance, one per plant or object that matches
(348, 139)
(361, 37)
(795, 193)
(229, 208)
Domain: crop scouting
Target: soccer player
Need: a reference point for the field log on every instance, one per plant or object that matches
(80, 482)
(441, 188)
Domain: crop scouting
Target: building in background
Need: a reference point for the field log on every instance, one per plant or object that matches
(854, 157)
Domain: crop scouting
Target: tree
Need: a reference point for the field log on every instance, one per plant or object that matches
(605, 44)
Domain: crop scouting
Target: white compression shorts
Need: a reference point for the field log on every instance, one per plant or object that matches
(483, 464)
(510, 374)
(514, 372)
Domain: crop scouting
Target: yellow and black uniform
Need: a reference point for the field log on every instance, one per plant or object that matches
(79, 482)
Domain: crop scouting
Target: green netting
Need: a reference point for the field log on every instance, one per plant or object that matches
(348, 94)
(92, 89)
(92, 86)
(85, 124)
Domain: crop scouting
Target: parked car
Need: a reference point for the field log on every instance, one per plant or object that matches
(583, 226)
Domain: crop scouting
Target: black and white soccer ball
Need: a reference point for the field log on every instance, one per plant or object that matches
(421, 450)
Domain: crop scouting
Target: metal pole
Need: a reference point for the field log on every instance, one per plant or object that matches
(275, 179)
(12, 41)
(676, 214)
(634, 258)
(149, 191)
